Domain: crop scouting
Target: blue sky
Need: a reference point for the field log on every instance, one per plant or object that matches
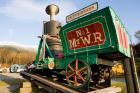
(21, 21)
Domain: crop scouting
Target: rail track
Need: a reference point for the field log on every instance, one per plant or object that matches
(56, 87)
(48, 85)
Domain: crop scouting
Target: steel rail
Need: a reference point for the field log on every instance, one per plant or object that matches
(44, 83)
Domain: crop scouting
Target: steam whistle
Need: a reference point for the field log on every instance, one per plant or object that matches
(51, 31)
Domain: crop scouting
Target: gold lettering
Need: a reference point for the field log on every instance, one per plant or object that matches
(79, 33)
(86, 40)
(87, 31)
(73, 43)
(97, 37)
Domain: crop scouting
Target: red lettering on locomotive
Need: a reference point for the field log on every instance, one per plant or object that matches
(123, 38)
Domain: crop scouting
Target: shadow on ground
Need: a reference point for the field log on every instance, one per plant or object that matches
(10, 82)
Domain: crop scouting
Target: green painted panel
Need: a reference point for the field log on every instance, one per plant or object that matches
(38, 52)
(84, 23)
(122, 35)
(62, 63)
(95, 33)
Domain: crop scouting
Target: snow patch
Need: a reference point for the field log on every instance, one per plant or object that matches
(18, 45)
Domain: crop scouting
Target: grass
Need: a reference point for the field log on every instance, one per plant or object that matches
(15, 91)
(2, 83)
(122, 85)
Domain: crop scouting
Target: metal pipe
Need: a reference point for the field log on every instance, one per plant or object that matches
(52, 17)
(43, 48)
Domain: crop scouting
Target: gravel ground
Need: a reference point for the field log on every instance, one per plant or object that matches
(9, 78)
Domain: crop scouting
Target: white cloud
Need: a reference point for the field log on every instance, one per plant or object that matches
(66, 8)
(30, 10)
(22, 10)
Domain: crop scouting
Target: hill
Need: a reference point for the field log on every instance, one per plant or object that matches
(14, 53)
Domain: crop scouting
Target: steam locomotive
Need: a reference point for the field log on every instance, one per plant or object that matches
(83, 50)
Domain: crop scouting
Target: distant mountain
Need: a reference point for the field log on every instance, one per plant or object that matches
(11, 53)
(18, 46)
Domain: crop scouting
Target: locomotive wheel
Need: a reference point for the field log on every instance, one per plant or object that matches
(78, 73)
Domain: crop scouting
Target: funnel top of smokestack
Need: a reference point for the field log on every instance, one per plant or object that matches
(52, 9)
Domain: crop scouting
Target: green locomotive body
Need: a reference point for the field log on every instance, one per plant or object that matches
(90, 44)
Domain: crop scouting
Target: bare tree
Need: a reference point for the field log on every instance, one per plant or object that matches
(9, 56)
(137, 35)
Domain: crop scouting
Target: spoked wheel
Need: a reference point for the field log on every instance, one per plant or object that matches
(78, 73)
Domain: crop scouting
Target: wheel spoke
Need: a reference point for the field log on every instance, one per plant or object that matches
(71, 67)
(68, 76)
(80, 76)
(82, 69)
(76, 65)
(75, 79)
